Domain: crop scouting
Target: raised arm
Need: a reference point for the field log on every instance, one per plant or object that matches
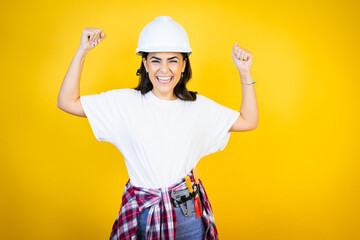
(69, 94)
(249, 114)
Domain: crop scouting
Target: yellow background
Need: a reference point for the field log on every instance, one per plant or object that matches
(295, 177)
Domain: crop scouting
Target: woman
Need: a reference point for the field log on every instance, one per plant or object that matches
(162, 130)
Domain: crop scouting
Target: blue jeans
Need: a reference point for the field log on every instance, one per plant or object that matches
(186, 227)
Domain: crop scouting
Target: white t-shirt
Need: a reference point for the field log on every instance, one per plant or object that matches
(161, 140)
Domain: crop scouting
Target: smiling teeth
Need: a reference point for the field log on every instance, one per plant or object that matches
(164, 79)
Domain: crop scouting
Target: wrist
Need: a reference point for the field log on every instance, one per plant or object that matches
(245, 77)
(82, 52)
(244, 74)
(250, 83)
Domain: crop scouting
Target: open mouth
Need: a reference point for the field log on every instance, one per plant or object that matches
(164, 80)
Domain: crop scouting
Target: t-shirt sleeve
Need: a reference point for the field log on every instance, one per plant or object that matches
(99, 110)
(218, 120)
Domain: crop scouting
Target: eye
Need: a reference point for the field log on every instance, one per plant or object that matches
(155, 61)
(173, 61)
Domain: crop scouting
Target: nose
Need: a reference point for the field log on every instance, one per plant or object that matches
(164, 67)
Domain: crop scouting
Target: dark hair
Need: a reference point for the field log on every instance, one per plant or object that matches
(180, 90)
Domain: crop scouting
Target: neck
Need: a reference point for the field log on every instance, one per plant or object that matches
(169, 96)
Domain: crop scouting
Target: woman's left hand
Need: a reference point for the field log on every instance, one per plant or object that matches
(242, 58)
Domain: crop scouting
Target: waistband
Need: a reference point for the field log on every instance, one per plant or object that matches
(163, 193)
(180, 185)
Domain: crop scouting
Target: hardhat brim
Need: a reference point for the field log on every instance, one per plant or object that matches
(161, 49)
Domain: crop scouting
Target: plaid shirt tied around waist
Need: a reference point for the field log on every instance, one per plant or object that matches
(161, 220)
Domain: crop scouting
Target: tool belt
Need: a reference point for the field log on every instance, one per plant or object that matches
(184, 196)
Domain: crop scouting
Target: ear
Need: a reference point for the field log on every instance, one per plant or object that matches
(184, 65)
(144, 61)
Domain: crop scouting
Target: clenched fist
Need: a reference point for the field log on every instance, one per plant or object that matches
(90, 37)
(242, 58)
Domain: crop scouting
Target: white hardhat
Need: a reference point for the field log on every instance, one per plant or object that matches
(163, 35)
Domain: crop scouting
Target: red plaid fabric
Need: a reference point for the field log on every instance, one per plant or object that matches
(161, 221)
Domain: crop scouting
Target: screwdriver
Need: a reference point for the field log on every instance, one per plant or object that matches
(188, 183)
(196, 198)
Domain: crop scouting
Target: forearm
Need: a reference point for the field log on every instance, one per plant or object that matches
(249, 107)
(70, 87)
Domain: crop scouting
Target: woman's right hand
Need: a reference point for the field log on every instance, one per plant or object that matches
(90, 37)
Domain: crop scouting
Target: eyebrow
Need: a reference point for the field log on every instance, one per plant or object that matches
(168, 58)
